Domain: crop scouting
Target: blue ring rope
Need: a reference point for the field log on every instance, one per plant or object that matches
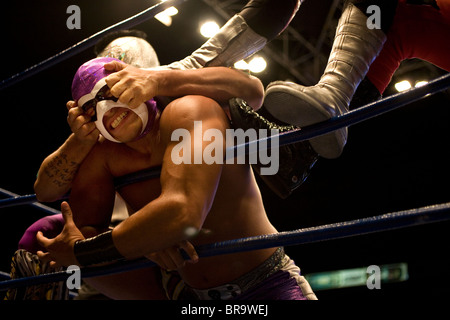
(17, 200)
(89, 42)
(355, 116)
(363, 113)
(385, 222)
(369, 111)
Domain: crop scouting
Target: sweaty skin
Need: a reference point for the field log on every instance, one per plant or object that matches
(201, 203)
(222, 202)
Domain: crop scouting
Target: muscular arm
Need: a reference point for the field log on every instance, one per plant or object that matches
(218, 83)
(57, 171)
(188, 190)
(134, 86)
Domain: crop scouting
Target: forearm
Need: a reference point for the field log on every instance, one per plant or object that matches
(57, 171)
(159, 225)
(219, 83)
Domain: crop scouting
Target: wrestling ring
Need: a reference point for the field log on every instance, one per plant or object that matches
(351, 228)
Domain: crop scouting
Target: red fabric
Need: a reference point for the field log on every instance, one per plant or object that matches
(418, 31)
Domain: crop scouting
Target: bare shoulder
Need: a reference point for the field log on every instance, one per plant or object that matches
(99, 157)
(182, 112)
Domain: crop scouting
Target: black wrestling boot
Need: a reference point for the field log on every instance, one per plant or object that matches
(365, 94)
(295, 160)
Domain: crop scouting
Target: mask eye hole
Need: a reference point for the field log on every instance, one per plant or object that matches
(90, 109)
(104, 94)
(89, 105)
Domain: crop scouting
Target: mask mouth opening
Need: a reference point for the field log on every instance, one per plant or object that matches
(112, 119)
(106, 105)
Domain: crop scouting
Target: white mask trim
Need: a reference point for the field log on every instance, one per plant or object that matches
(104, 106)
(91, 95)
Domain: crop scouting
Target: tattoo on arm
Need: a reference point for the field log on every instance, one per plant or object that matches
(61, 170)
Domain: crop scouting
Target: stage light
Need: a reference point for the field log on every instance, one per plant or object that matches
(403, 85)
(257, 65)
(209, 29)
(420, 83)
(165, 17)
(241, 65)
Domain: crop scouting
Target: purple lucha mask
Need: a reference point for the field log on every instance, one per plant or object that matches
(88, 88)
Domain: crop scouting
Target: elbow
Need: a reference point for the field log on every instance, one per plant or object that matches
(44, 197)
(248, 88)
(192, 223)
(190, 218)
(45, 194)
(255, 93)
(259, 95)
(41, 194)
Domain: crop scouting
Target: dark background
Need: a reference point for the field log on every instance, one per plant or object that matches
(394, 162)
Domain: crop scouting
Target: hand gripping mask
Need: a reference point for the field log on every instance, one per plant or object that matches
(89, 88)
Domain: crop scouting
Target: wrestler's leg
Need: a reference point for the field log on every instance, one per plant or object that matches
(243, 35)
(269, 18)
(418, 31)
(259, 22)
(25, 264)
(354, 48)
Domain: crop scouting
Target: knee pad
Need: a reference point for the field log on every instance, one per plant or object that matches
(50, 226)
